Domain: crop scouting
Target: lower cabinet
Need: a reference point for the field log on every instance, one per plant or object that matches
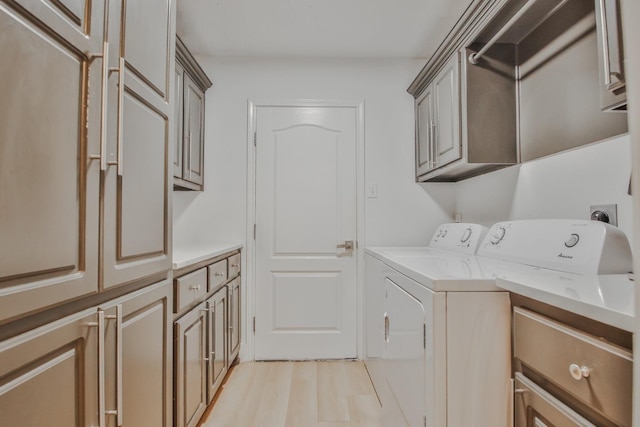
(56, 368)
(190, 334)
(206, 334)
(216, 335)
(234, 318)
(138, 334)
(103, 366)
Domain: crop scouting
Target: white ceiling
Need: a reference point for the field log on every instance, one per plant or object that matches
(317, 28)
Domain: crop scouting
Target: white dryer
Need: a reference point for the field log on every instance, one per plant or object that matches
(443, 337)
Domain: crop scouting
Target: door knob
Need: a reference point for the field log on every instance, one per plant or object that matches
(348, 246)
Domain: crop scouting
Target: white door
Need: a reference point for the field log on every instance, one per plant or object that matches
(305, 208)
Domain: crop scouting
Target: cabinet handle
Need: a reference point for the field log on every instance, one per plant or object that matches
(219, 274)
(235, 265)
(102, 156)
(119, 162)
(605, 44)
(195, 288)
(386, 327)
(102, 422)
(434, 145)
(118, 318)
(119, 364)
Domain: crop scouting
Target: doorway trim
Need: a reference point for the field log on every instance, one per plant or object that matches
(247, 351)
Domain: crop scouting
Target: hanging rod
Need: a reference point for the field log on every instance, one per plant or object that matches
(474, 58)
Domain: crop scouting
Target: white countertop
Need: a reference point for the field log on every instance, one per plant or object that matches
(606, 298)
(185, 256)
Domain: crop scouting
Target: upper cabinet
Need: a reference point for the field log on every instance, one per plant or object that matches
(611, 55)
(516, 80)
(85, 130)
(137, 198)
(191, 84)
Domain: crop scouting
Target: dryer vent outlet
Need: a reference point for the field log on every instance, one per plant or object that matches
(604, 213)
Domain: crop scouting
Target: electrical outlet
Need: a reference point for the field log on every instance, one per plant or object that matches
(604, 212)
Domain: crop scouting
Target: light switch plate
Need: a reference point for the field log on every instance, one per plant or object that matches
(372, 191)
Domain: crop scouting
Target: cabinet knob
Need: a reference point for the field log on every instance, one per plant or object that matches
(579, 372)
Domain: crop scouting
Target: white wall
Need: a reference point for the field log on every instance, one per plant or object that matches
(563, 185)
(404, 213)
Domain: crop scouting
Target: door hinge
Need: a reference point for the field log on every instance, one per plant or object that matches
(254, 325)
(254, 232)
(255, 138)
(424, 336)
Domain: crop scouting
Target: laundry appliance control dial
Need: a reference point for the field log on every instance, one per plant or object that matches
(466, 235)
(498, 235)
(572, 240)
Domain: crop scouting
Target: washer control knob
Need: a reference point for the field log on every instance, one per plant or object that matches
(579, 372)
(466, 235)
(498, 235)
(572, 240)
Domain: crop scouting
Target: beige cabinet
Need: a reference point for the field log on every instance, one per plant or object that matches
(107, 366)
(206, 333)
(49, 375)
(49, 156)
(136, 199)
(139, 358)
(190, 334)
(613, 95)
(234, 319)
(191, 84)
(438, 120)
(84, 181)
(217, 341)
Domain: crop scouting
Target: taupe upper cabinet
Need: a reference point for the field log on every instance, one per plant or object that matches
(191, 84)
(50, 112)
(137, 237)
(611, 55)
(84, 143)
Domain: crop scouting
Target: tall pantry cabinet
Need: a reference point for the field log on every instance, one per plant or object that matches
(85, 240)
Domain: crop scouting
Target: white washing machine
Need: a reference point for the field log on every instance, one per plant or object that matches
(439, 334)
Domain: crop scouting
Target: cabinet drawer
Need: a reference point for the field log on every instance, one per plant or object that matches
(234, 265)
(217, 274)
(562, 354)
(189, 288)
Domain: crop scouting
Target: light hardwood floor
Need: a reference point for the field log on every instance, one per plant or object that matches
(296, 394)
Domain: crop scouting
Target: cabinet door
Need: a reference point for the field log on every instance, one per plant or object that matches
(136, 201)
(190, 367)
(194, 132)
(178, 145)
(611, 54)
(234, 319)
(49, 152)
(138, 364)
(424, 132)
(49, 376)
(446, 88)
(217, 333)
